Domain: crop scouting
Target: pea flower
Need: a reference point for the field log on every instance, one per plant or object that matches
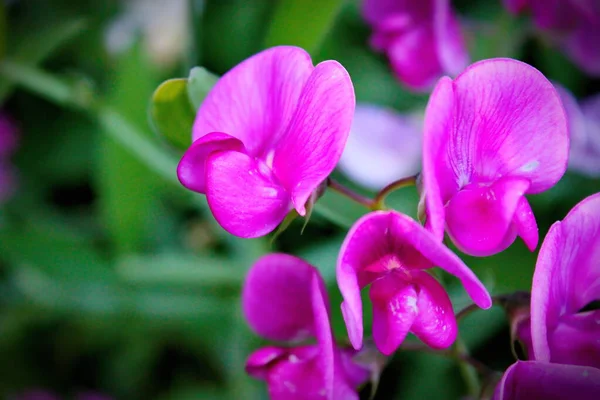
(572, 24)
(534, 380)
(267, 135)
(422, 39)
(391, 252)
(383, 146)
(584, 130)
(284, 299)
(494, 134)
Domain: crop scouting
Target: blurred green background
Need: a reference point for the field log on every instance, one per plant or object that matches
(115, 279)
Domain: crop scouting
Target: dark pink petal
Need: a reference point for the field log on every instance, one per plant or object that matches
(582, 46)
(355, 375)
(479, 218)
(191, 170)
(255, 100)
(317, 133)
(326, 358)
(567, 275)
(576, 340)
(383, 146)
(534, 380)
(435, 325)
(377, 12)
(515, 6)
(394, 311)
(259, 362)
(525, 224)
(9, 135)
(243, 195)
(278, 299)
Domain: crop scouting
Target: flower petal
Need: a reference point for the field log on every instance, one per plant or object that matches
(258, 363)
(243, 195)
(277, 299)
(394, 311)
(315, 138)
(255, 100)
(383, 146)
(525, 224)
(191, 170)
(479, 218)
(575, 340)
(567, 276)
(582, 46)
(451, 48)
(534, 380)
(435, 325)
(326, 358)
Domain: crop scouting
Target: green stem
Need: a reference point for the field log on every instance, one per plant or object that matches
(379, 201)
(349, 193)
(468, 369)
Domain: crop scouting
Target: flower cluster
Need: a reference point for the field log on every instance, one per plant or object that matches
(272, 130)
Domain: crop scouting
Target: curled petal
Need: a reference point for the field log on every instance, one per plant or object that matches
(575, 340)
(525, 224)
(259, 362)
(255, 101)
(383, 146)
(243, 195)
(394, 311)
(279, 299)
(317, 133)
(534, 380)
(435, 325)
(191, 170)
(479, 219)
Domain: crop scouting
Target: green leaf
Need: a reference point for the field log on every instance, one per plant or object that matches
(302, 23)
(200, 82)
(172, 113)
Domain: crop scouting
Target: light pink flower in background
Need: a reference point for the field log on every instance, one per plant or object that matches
(534, 380)
(266, 136)
(383, 146)
(422, 39)
(566, 280)
(391, 252)
(495, 133)
(584, 129)
(284, 299)
(572, 24)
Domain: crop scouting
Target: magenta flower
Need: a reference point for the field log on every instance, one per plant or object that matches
(284, 299)
(422, 39)
(566, 280)
(584, 130)
(391, 252)
(383, 146)
(534, 380)
(573, 24)
(266, 136)
(494, 134)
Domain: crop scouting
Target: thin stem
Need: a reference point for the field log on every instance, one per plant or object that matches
(343, 190)
(379, 201)
(469, 367)
(504, 300)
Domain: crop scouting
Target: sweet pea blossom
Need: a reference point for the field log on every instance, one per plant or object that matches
(584, 130)
(267, 135)
(383, 146)
(284, 299)
(391, 252)
(573, 25)
(495, 133)
(422, 39)
(534, 380)
(566, 280)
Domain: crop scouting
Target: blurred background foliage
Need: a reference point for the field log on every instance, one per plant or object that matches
(115, 279)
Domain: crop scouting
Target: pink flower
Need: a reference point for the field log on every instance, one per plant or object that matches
(422, 39)
(266, 136)
(566, 280)
(573, 25)
(494, 134)
(383, 146)
(284, 299)
(391, 252)
(534, 380)
(584, 130)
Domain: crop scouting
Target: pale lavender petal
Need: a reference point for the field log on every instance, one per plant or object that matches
(277, 299)
(191, 170)
(394, 311)
(255, 101)
(435, 325)
(383, 146)
(534, 380)
(243, 195)
(315, 138)
(479, 218)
